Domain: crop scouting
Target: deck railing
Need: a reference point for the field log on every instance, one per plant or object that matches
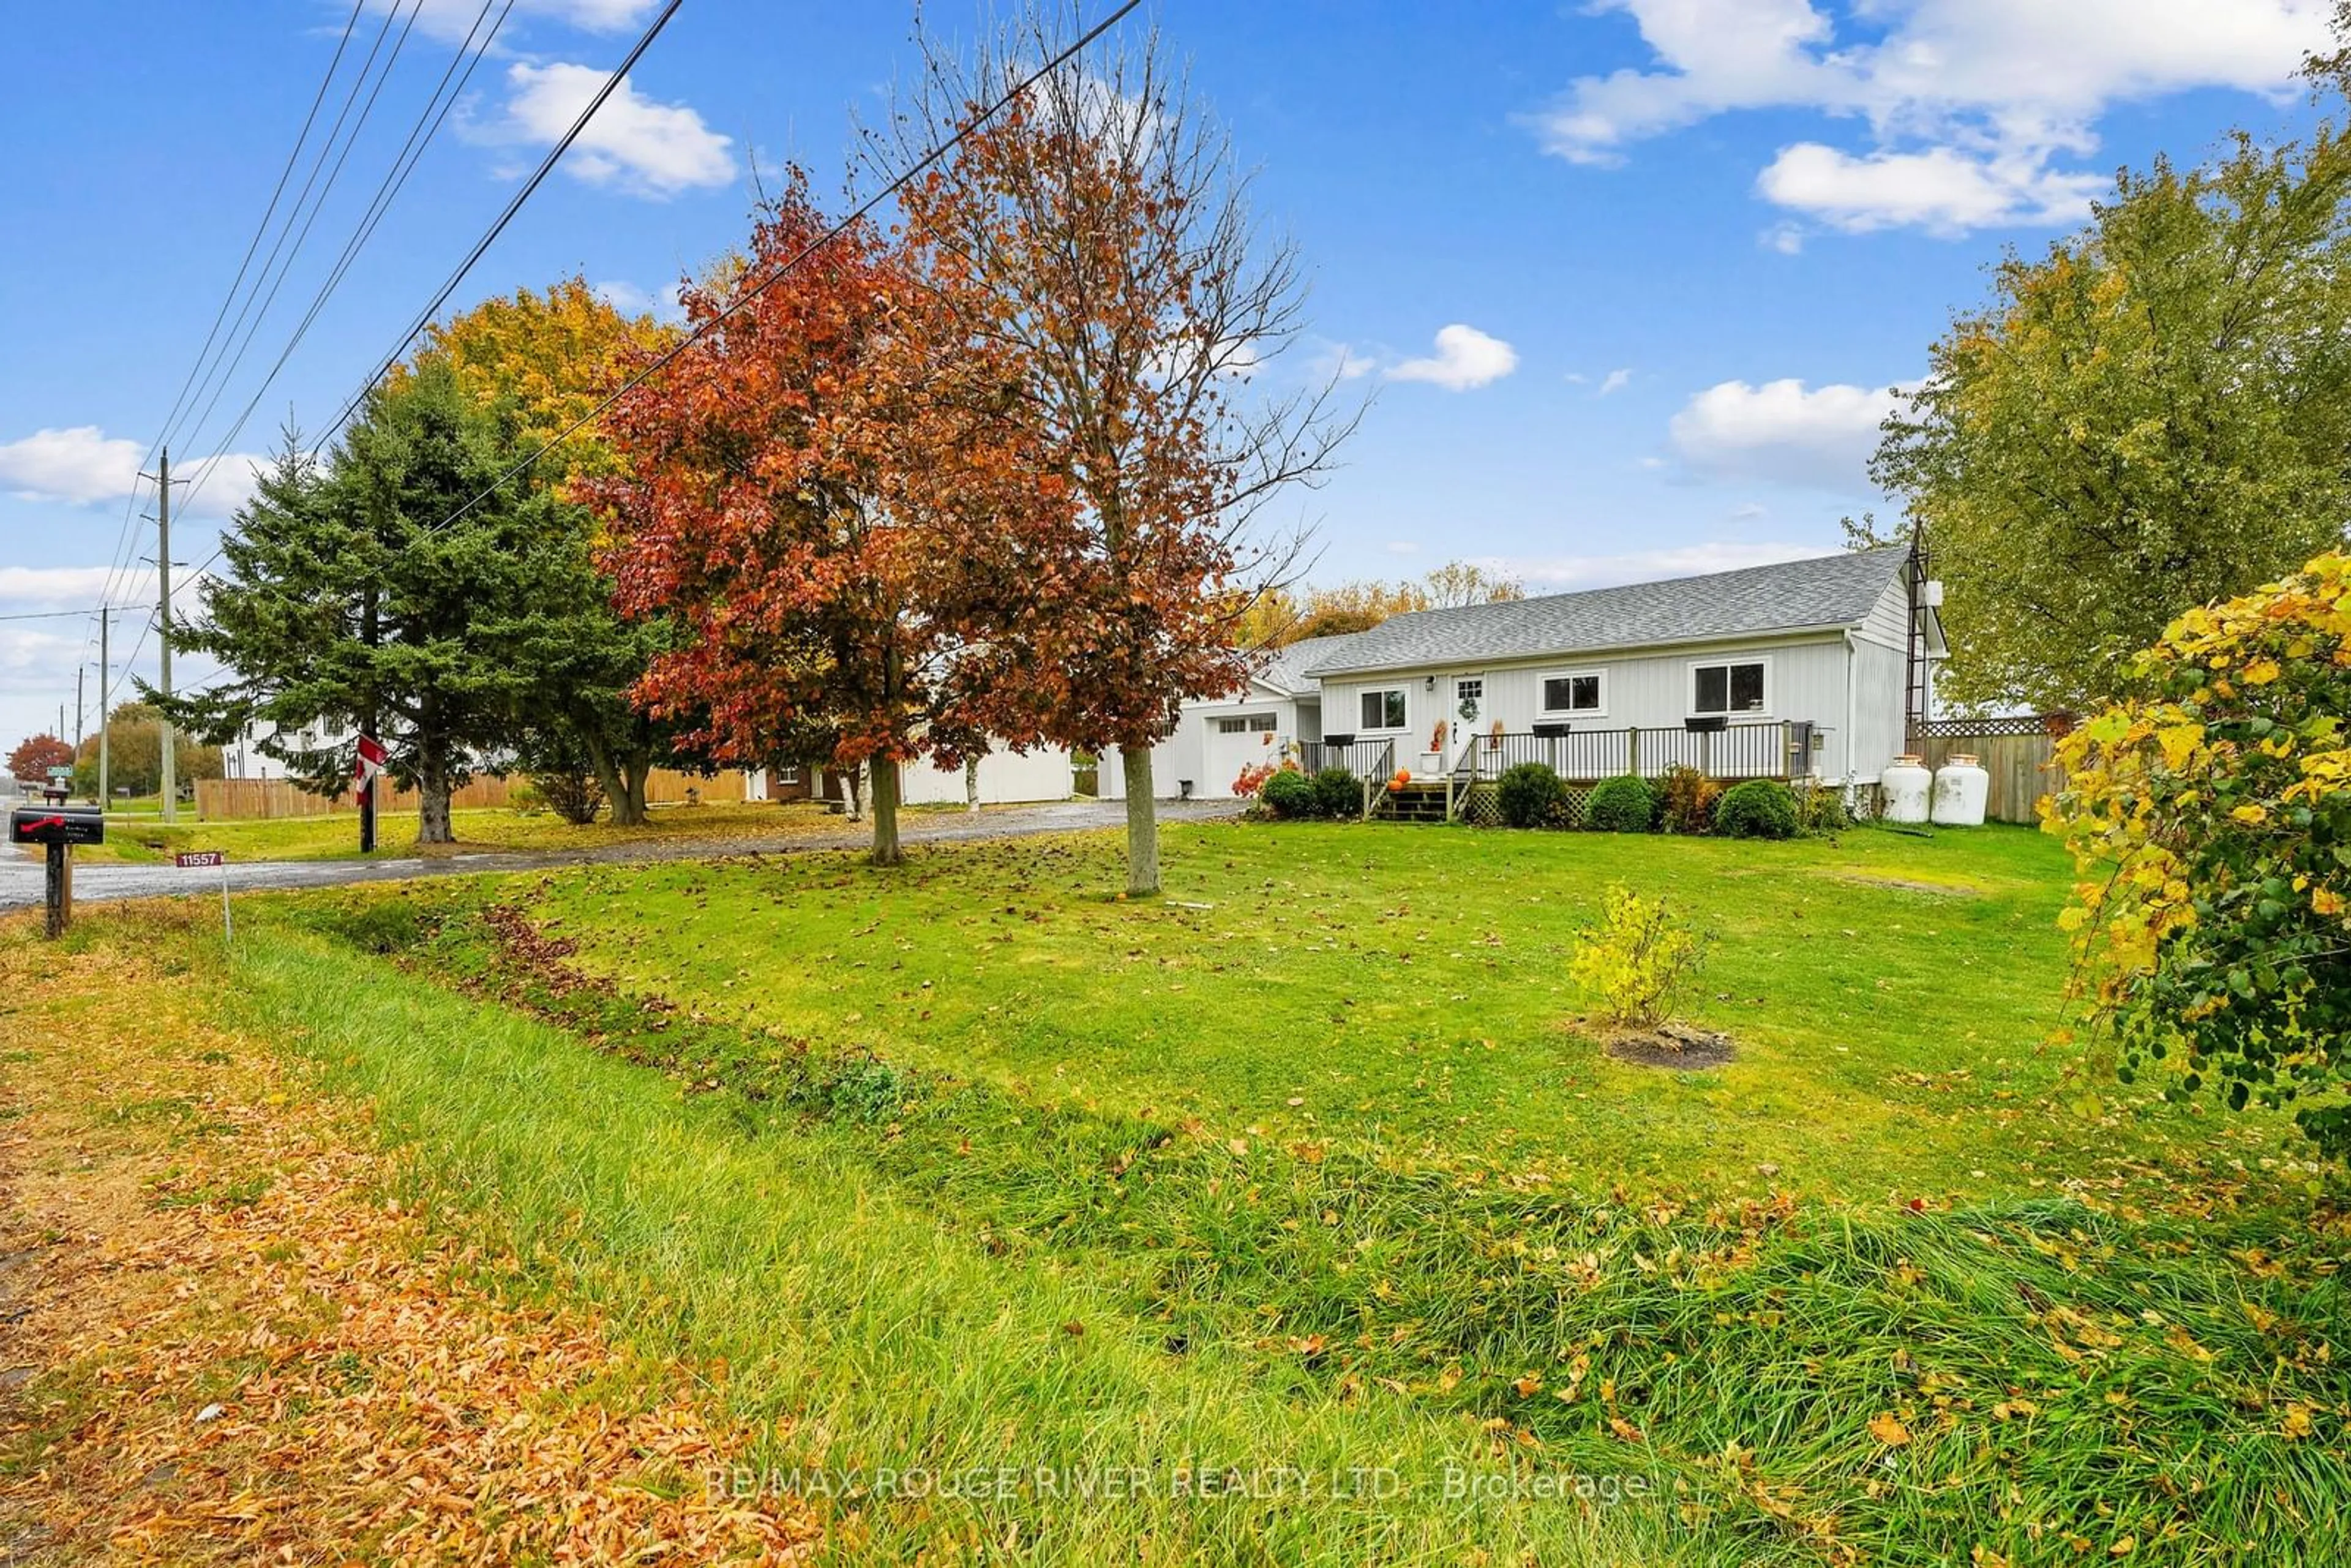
(1363, 758)
(1774, 750)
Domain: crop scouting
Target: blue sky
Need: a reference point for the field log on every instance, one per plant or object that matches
(1626, 282)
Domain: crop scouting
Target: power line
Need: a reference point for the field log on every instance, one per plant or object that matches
(742, 298)
(293, 156)
(61, 614)
(420, 135)
(547, 165)
(746, 296)
(220, 384)
(121, 557)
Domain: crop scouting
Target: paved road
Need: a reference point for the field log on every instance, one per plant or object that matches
(20, 870)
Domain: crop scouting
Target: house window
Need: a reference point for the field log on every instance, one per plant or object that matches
(1735, 686)
(1574, 692)
(788, 775)
(1246, 724)
(1384, 710)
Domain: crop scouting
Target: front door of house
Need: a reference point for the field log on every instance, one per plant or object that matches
(1467, 714)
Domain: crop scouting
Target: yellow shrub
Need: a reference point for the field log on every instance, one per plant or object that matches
(1637, 960)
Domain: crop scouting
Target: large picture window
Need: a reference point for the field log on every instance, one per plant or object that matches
(1574, 692)
(1731, 686)
(1385, 709)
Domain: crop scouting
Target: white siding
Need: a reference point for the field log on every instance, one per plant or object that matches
(1879, 722)
(1210, 761)
(1645, 690)
(1005, 777)
(1889, 620)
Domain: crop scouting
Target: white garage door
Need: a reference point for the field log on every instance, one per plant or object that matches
(1236, 741)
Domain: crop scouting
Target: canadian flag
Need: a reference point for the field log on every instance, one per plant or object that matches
(370, 764)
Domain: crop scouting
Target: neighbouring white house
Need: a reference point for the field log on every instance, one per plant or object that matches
(1006, 778)
(243, 758)
(1216, 739)
(1808, 668)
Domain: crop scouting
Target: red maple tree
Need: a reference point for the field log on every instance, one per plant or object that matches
(36, 754)
(814, 489)
(1109, 252)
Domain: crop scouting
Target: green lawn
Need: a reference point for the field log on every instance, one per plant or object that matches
(1890, 995)
(1306, 1165)
(336, 837)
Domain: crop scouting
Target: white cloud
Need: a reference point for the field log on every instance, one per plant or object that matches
(633, 143)
(1401, 546)
(1560, 574)
(80, 464)
(1788, 239)
(217, 491)
(1779, 432)
(631, 301)
(1940, 190)
(1995, 92)
(1337, 361)
(1616, 381)
(1750, 512)
(1465, 357)
(42, 586)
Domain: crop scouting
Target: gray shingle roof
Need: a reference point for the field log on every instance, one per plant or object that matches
(1825, 590)
(1285, 671)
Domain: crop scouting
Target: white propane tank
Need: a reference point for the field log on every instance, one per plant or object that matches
(1905, 785)
(1960, 786)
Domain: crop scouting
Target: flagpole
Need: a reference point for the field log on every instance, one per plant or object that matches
(367, 767)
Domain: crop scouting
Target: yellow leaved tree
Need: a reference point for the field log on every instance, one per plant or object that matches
(546, 359)
(2209, 817)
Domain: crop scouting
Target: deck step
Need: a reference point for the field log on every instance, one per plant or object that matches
(1416, 802)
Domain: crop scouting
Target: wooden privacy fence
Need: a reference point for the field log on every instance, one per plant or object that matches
(244, 799)
(2022, 768)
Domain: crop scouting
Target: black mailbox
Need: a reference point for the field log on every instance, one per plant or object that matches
(56, 825)
(1551, 731)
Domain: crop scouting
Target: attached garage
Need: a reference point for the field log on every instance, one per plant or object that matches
(1215, 740)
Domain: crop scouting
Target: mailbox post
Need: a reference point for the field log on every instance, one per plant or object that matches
(57, 829)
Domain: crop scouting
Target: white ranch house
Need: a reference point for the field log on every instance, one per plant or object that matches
(1215, 739)
(1807, 669)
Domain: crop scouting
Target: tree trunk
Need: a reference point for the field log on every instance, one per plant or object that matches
(608, 778)
(853, 782)
(433, 800)
(633, 774)
(1142, 822)
(885, 812)
(971, 785)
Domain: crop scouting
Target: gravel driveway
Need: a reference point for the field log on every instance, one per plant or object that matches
(20, 870)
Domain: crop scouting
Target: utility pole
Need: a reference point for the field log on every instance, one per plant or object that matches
(163, 623)
(104, 671)
(79, 671)
(369, 719)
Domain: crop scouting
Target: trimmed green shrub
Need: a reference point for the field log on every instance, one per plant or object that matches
(1289, 793)
(1624, 804)
(1338, 794)
(1531, 795)
(1759, 809)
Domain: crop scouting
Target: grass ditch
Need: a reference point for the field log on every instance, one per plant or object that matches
(1906, 1383)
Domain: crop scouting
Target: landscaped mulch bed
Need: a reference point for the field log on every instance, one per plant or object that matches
(1677, 1046)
